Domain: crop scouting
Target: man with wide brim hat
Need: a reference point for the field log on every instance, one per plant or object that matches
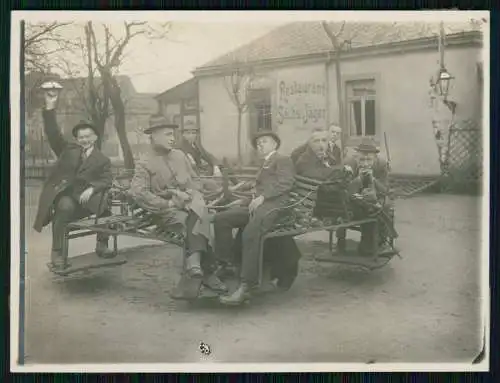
(166, 185)
(159, 122)
(75, 185)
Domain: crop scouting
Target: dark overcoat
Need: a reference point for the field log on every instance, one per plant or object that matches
(70, 173)
(310, 166)
(199, 155)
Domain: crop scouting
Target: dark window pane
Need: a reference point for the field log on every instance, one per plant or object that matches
(370, 117)
(355, 118)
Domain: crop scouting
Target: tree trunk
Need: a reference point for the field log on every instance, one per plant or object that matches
(100, 128)
(119, 114)
(240, 159)
(340, 102)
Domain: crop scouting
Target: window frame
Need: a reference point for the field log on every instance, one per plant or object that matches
(348, 81)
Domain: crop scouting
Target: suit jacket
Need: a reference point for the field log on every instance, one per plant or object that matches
(199, 155)
(70, 174)
(275, 179)
(310, 166)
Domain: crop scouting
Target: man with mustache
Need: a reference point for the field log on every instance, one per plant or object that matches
(74, 188)
(166, 185)
(333, 149)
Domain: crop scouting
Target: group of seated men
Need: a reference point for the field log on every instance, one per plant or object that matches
(167, 183)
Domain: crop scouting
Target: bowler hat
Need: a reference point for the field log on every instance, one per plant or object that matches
(268, 133)
(367, 145)
(159, 122)
(84, 125)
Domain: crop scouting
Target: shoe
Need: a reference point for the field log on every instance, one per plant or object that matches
(215, 283)
(193, 265)
(240, 296)
(102, 250)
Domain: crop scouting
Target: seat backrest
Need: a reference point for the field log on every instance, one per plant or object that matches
(326, 199)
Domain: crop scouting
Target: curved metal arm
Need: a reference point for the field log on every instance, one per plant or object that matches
(291, 205)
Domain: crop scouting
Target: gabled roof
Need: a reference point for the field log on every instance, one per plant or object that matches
(309, 38)
(186, 89)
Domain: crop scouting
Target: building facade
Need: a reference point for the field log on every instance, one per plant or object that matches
(385, 89)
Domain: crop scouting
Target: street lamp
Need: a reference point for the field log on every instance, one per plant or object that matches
(443, 82)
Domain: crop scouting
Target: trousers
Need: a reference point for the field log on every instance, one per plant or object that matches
(253, 230)
(67, 210)
(194, 242)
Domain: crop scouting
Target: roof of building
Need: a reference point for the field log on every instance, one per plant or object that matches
(308, 38)
(185, 89)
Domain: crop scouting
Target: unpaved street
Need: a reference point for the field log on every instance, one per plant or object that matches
(422, 308)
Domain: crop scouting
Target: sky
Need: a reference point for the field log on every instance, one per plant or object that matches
(157, 65)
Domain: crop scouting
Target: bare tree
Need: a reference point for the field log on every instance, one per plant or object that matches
(41, 42)
(238, 82)
(339, 43)
(107, 58)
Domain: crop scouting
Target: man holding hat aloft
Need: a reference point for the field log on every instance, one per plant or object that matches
(273, 183)
(74, 188)
(166, 184)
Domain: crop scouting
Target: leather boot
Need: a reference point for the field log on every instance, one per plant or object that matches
(193, 265)
(102, 250)
(241, 295)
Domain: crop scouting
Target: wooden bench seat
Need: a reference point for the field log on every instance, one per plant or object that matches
(313, 206)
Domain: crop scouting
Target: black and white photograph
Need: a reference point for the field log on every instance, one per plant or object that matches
(250, 191)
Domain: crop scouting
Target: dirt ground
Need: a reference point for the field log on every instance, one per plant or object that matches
(422, 308)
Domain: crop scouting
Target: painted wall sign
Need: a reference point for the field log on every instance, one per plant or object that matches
(301, 101)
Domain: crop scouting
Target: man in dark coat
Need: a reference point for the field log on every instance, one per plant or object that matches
(273, 183)
(74, 188)
(371, 184)
(317, 161)
(333, 149)
(202, 161)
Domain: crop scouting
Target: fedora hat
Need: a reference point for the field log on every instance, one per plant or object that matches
(83, 124)
(189, 125)
(267, 133)
(367, 145)
(159, 122)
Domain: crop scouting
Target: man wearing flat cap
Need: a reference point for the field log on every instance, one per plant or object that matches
(166, 184)
(74, 188)
(371, 185)
(273, 183)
